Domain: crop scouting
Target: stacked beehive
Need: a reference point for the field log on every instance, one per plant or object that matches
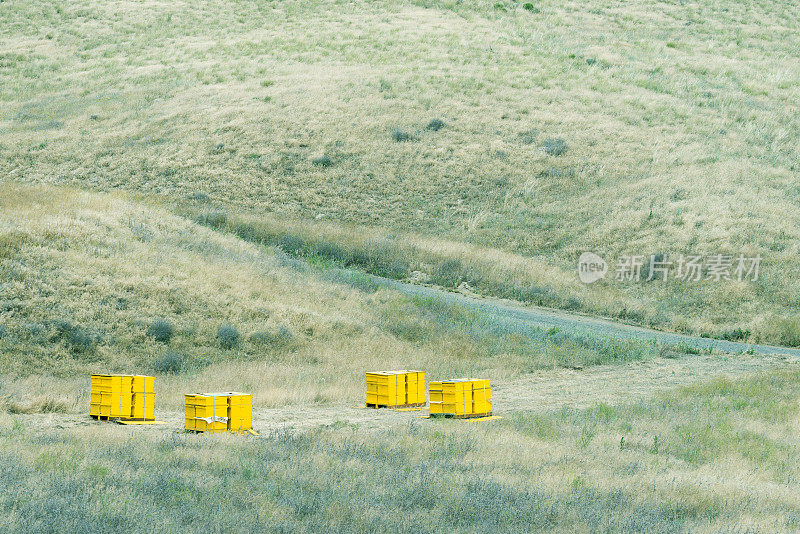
(395, 389)
(126, 397)
(461, 398)
(219, 412)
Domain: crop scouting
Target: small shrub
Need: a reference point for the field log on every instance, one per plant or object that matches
(228, 336)
(354, 279)
(400, 136)
(539, 295)
(528, 6)
(331, 251)
(555, 146)
(322, 161)
(213, 218)
(79, 340)
(527, 137)
(291, 244)
(395, 269)
(197, 196)
(436, 125)
(169, 363)
(160, 330)
(3, 331)
(737, 334)
(449, 273)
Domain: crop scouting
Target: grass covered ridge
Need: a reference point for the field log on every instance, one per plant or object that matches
(97, 282)
(513, 132)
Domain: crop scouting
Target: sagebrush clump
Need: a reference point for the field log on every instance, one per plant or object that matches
(228, 336)
(161, 330)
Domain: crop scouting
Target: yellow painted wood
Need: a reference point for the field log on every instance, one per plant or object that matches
(122, 396)
(461, 397)
(219, 412)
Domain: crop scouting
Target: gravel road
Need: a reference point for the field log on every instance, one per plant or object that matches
(503, 311)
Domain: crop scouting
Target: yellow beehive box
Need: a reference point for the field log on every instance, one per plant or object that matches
(436, 394)
(386, 389)
(461, 398)
(219, 412)
(206, 413)
(240, 411)
(393, 389)
(116, 396)
(481, 397)
(111, 383)
(110, 404)
(414, 388)
(457, 397)
(142, 384)
(143, 406)
(114, 404)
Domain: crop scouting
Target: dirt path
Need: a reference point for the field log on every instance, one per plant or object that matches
(546, 390)
(515, 314)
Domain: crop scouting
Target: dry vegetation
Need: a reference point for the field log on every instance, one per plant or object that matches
(100, 282)
(719, 456)
(96, 282)
(539, 132)
(176, 179)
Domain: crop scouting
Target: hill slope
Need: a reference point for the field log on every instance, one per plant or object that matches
(95, 282)
(638, 128)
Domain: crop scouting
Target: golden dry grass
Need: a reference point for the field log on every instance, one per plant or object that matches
(678, 119)
(90, 277)
(715, 456)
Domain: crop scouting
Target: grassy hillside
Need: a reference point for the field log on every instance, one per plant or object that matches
(95, 282)
(505, 131)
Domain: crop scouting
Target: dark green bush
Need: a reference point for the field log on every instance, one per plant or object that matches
(555, 146)
(228, 336)
(160, 330)
(436, 125)
(331, 251)
(400, 136)
(322, 161)
(213, 218)
(280, 338)
(79, 339)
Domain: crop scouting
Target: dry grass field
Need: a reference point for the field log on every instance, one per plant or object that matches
(177, 179)
(508, 138)
(653, 440)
